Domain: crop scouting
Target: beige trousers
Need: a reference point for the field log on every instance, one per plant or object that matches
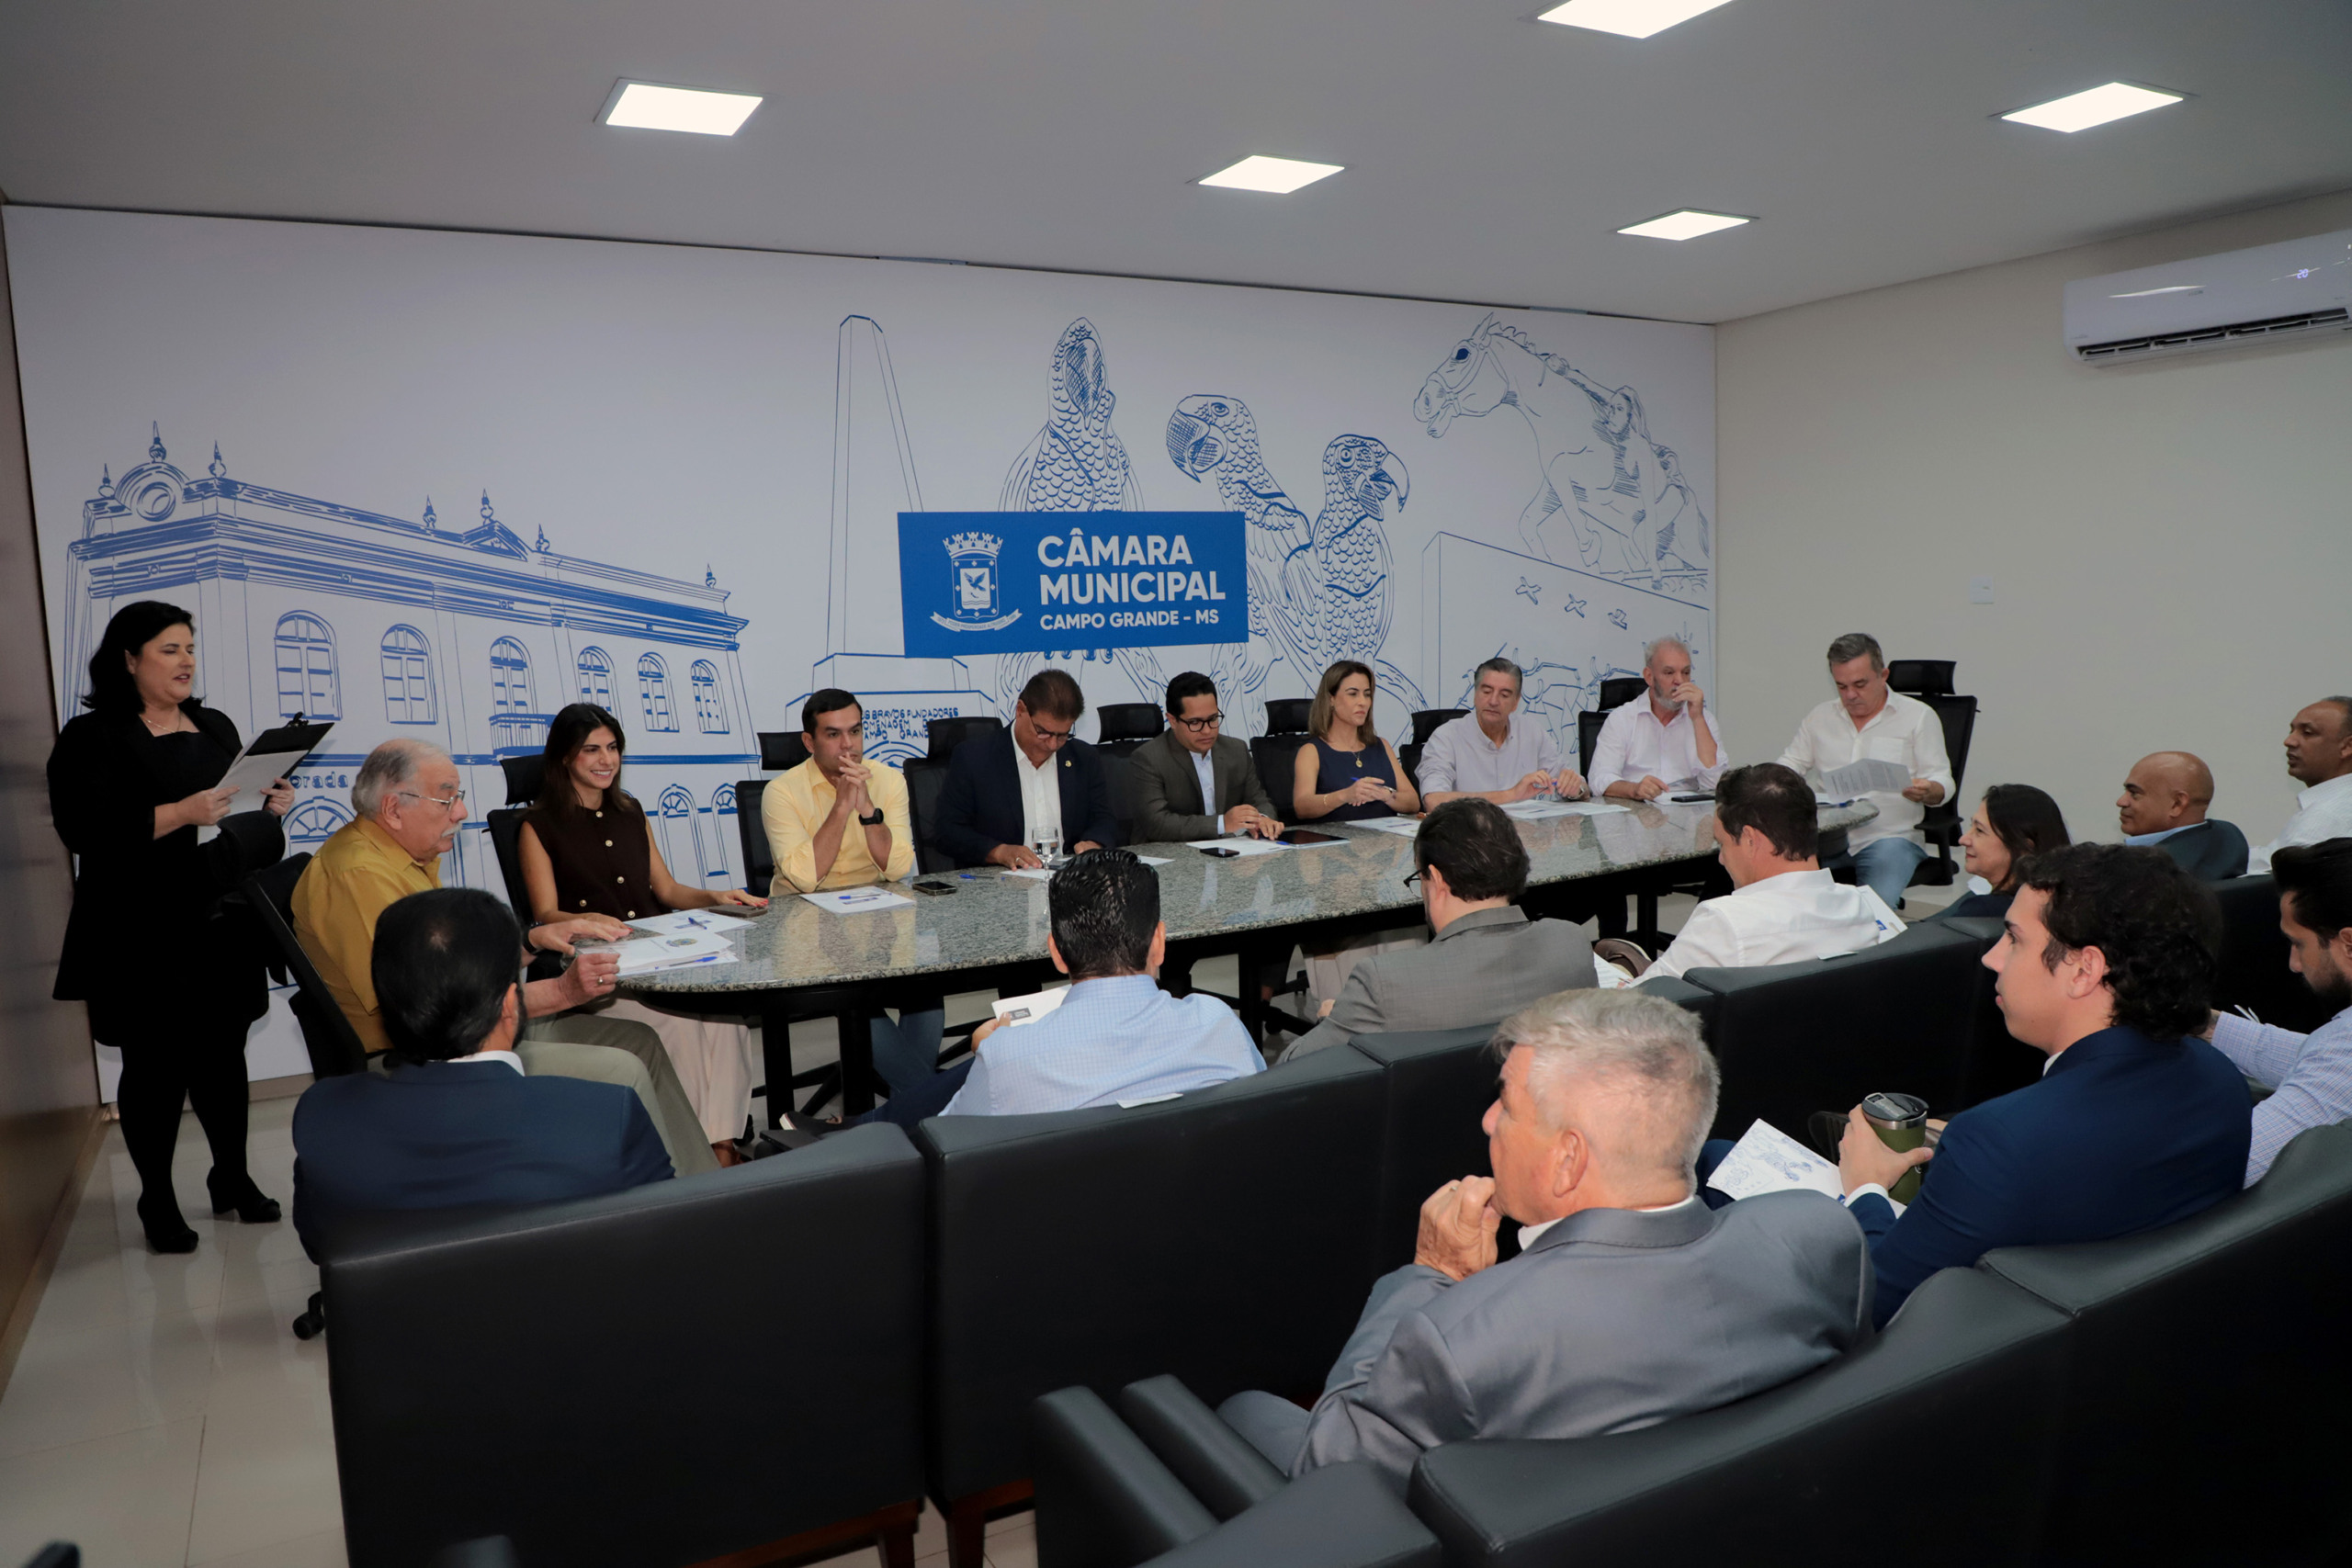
(713, 1057)
(665, 1097)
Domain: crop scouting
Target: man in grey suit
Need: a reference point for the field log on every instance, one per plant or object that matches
(1486, 960)
(1192, 782)
(1631, 1302)
(2164, 803)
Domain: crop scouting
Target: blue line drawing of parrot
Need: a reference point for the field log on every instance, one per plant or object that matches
(1357, 587)
(1076, 463)
(1212, 434)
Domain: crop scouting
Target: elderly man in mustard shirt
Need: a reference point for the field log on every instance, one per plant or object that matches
(838, 820)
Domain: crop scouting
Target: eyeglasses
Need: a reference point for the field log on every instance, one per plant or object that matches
(1410, 880)
(1198, 725)
(451, 801)
(1050, 737)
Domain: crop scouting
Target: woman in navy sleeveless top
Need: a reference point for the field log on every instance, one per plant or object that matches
(1349, 772)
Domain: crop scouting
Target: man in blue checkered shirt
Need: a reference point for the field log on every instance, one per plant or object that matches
(2310, 1074)
(1117, 1036)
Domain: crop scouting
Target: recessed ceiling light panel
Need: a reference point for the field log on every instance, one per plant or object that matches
(1685, 225)
(1627, 18)
(2080, 111)
(1276, 176)
(649, 105)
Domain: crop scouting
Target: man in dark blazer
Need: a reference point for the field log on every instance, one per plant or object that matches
(996, 783)
(2105, 965)
(1631, 1302)
(2163, 807)
(1486, 959)
(1170, 807)
(454, 1121)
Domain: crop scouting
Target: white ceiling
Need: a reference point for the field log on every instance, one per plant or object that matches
(1489, 158)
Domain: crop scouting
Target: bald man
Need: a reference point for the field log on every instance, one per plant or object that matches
(2164, 803)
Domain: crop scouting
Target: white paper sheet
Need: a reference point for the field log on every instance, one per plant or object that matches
(689, 920)
(1044, 873)
(642, 955)
(857, 900)
(1539, 809)
(1767, 1160)
(1239, 846)
(1018, 1010)
(251, 774)
(1871, 775)
(1403, 827)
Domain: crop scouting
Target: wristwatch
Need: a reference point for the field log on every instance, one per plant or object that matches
(873, 821)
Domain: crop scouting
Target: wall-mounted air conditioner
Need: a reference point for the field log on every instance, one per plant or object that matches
(2270, 294)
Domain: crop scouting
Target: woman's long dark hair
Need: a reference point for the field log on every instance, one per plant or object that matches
(567, 733)
(133, 628)
(2026, 821)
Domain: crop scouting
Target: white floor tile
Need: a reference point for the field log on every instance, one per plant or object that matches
(72, 1385)
(267, 1475)
(1014, 1547)
(124, 1499)
(324, 1550)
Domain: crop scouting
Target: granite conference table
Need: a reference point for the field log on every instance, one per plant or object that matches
(799, 962)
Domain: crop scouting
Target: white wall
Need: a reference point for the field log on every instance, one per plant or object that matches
(2170, 542)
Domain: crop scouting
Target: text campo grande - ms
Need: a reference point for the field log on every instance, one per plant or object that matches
(1164, 586)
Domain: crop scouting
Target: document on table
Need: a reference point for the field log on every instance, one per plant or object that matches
(1031, 1008)
(644, 954)
(689, 920)
(1238, 846)
(1871, 775)
(272, 754)
(1044, 873)
(1403, 827)
(857, 900)
(1537, 809)
(1767, 1160)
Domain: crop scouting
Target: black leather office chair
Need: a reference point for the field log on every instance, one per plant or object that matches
(926, 782)
(2251, 970)
(526, 776)
(505, 828)
(1428, 721)
(1930, 681)
(1119, 777)
(752, 832)
(1225, 1303)
(1615, 693)
(782, 748)
(1120, 727)
(1273, 753)
(611, 1455)
(944, 734)
(1287, 715)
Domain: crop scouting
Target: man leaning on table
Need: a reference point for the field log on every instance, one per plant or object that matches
(1192, 781)
(1866, 720)
(1030, 783)
(409, 806)
(838, 820)
(1491, 752)
(1665, 741)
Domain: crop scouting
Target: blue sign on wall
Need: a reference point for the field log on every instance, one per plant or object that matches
(1037, 581)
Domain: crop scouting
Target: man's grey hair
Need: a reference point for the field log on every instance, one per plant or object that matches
(1645, 1051)
(1501, 666)
(2344, 708)
(1649, 649)
(1853, 646)
(388, 767)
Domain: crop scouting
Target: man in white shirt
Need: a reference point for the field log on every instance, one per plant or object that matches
(2319, 757)
(1866, 720)
(1783, 906)
(1666, 742)
(1491, 752)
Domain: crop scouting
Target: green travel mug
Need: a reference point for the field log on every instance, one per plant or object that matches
(1901, 1123)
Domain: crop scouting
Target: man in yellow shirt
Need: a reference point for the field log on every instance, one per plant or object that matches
(838, 820)
(409, 807)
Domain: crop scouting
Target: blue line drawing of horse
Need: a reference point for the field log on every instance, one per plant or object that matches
(1076, 463)
(1629, 508)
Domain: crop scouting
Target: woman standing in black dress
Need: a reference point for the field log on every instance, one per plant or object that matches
(168, 983)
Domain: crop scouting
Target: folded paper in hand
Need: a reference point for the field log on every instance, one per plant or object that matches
(1871, 775)
(1767, 1160)
(643, 955)
(274, 754)
(1031, 1008)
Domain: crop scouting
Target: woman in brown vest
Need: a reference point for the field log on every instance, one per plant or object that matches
(588, 847)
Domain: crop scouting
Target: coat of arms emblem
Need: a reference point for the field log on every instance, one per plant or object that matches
(972, 599)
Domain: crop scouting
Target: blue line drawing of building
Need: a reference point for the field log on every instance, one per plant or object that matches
(873, 480)
(390, 626)
(1629, 511)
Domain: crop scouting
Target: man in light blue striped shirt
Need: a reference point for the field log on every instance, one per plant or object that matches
(1117, 1036)
(2310, 1074)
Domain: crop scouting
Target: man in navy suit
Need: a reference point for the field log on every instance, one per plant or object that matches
(454, 1121)
(1011, 789)
(2106, 965)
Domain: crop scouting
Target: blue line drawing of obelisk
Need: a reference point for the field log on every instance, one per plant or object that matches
(873, 480)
